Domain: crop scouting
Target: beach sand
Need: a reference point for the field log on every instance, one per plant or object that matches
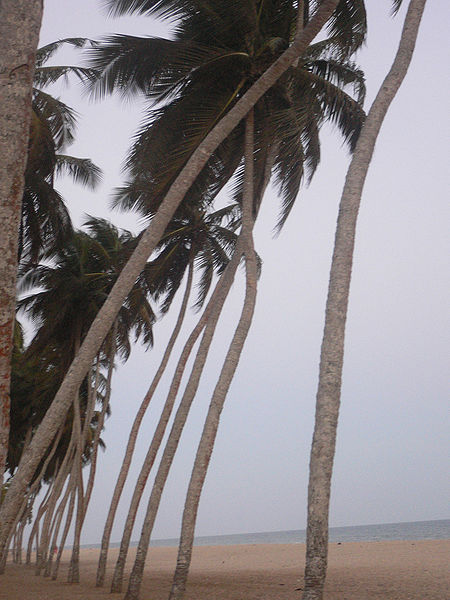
(399, 570)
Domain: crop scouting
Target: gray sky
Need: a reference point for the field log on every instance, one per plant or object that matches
(392, 445)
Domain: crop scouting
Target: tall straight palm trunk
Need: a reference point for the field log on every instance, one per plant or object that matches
(20, 22)
(135, 430)
(105, 317)
(332, 352)
(210, 428)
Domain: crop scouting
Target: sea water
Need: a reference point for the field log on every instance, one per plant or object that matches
(416, 530)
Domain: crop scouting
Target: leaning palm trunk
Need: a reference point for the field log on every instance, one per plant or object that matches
(28, 502)
(81, 442)
(135, 430)
(208, 437)
(62, 542)
(84, 501)
(179, 422)
(105, 317)
(215, 300)
(46, 511)
(20, 21)
(74, 571)
(332, 353)
(59, 513)
(56, 490)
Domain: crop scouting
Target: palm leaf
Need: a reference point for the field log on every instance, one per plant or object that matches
(61, 119)
(44, 53)
(44, 76)
(348, 24)
(81, 170)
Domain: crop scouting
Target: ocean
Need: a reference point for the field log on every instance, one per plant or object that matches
(416, 530)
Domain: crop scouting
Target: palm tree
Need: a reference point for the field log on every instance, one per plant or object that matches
(85, 269)
(45, 219)
(332, 352)
(102, 323)
(17, 51)
(187, 65)
(215, 56)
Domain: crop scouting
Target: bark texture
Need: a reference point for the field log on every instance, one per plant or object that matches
(102, 323)
(20, 22)
(332, 352)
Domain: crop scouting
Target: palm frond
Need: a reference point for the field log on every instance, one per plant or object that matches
(151, 66)
(341, 74)
(322, 96)
(45, 76)
(396, 4)
(61, 119)
(44, 53)
(81, 170)
(348, 24)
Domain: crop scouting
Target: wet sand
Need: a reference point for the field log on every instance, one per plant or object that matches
(399, 570)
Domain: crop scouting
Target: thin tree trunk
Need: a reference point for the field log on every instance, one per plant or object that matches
(20, 22)
(74, 566)
(96, 440)
(332, 352)
(225, 280)
(43, 510)
(208, 437)
(56, 490)
(62, 542)
(59, 513)
(84, 498)
(135, 430)
(102, 323)
(178, 424)
(26, 507)
(82, 441)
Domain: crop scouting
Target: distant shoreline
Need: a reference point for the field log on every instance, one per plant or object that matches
(437, 529)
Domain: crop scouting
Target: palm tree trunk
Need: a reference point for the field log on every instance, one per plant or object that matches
(225, 280)
(59, 513)
(135, 430)
(56, 490)
(179, 422)
(74, 566)
(105, 317)
(62, 542)
(26, 505)
(332, 352)
(208, 437)
(20, 21)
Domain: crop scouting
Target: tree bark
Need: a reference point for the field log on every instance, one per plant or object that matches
(105, 317)
(20, 22)
(135, 430)
(208, 437)
(332, 352)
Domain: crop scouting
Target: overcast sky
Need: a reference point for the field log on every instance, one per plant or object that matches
(392, 445)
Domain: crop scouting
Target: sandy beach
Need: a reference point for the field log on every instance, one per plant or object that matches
(398, 570)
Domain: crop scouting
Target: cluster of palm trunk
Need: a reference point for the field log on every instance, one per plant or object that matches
(242, 94)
